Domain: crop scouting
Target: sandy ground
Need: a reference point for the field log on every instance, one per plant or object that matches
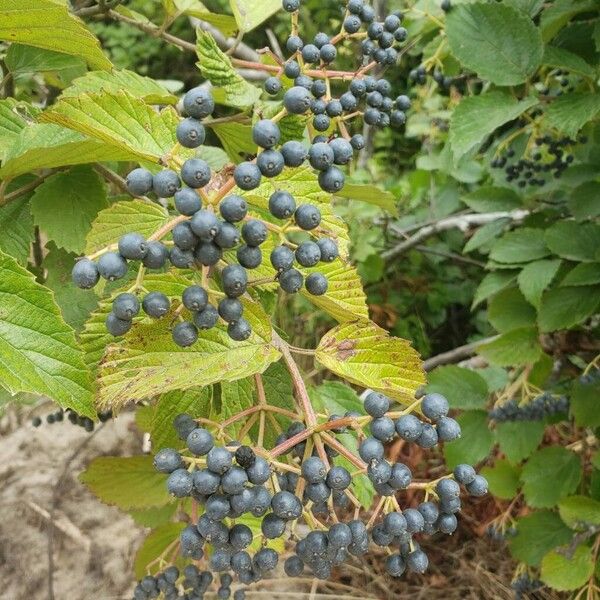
(93, 545)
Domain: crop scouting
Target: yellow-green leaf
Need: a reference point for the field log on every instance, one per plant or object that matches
(563, 572)
(153, 546)
(148, 362)
(38, 352)
(364, 354)
(251, 14)
(120, 120)
(48, 24)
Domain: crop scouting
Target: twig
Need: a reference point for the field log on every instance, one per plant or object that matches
(462, 222)
(450, 255)
(455, 355)
(25, 189)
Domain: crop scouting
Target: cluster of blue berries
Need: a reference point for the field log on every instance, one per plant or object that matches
(524, 585)
(203, 237)
(542, 406)
(191, 584)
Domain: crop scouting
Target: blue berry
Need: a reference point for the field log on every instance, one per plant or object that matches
(85, 274)
(190, 133)
(139, 182)
(198, 103)
(247, 175)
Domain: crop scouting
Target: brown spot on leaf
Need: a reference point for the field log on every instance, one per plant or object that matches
(346, 349)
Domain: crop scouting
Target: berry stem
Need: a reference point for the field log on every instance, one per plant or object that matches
(333, 443)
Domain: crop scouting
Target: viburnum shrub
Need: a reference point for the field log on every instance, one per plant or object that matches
(162, 244)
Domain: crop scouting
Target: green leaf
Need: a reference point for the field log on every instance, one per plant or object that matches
(75, 304)
(16, 223)
(503, 479)
(579, 512)
(153, 546)
(566, 573)
(509, 310)
(236, 139)
(566, 307)
(497, 41)
(335, 398)
(491, 284)
(516, 347)
(65, 205)
(194, 8)
(537, 534)
(585, 402)
(121, 218)
(495, 377)
(126, 482)
(549, 475)
(535, 278)
(518, 439)
(574, 241)
(155, 516)
(215, 157)
(563, 59)
(63, 68)
(279, 391)
(194, 402)
(476, 117)
(48, 24)
(147, 361)
(41, 146)
(236, 396)
(583, 274)
(463, 388)
(530, 7)
(583, 201)
(133, 127)
(364, 354)
(115, 81)
(251, 14)
(361, 485)
(521, 245)
(11, 123)
(569, 113)
(37, 349)
(371, 194)
(492, 199)
(485, 234)
(559, 13)
(215, 65)
(474, 444)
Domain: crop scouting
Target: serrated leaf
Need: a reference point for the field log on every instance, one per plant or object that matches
(236, 139)
(147, 361)
(492, 199)
(485, 234)
(38, 352)
(370, 194)
(537, 534)
(463, 388)
(194, 402)
(491, 284)
(153, 517)
(585, 402)
(75, 304)
(509, 310)
(11, 123)
(574, 241)
(475, 442)
(126, 482)
(236, 396)
(65, 205)
(521, 245)
(503, 479)
(579, 512)
(497, 41)
(120, 120)
(21, 59)
(41, 146)
(549, 475)
(121, 218)
(569, 113)
(215, 65)
(251, 14)
(566, 573)
(364, 354)
(565, 307)
(153, 546)
(115, 81)
(559, 13)
(16, 223)
(37, 23)
(518, 439)
(583, 274)
(563, 59)
(535, 278)
(476, 117)
(516, 347)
